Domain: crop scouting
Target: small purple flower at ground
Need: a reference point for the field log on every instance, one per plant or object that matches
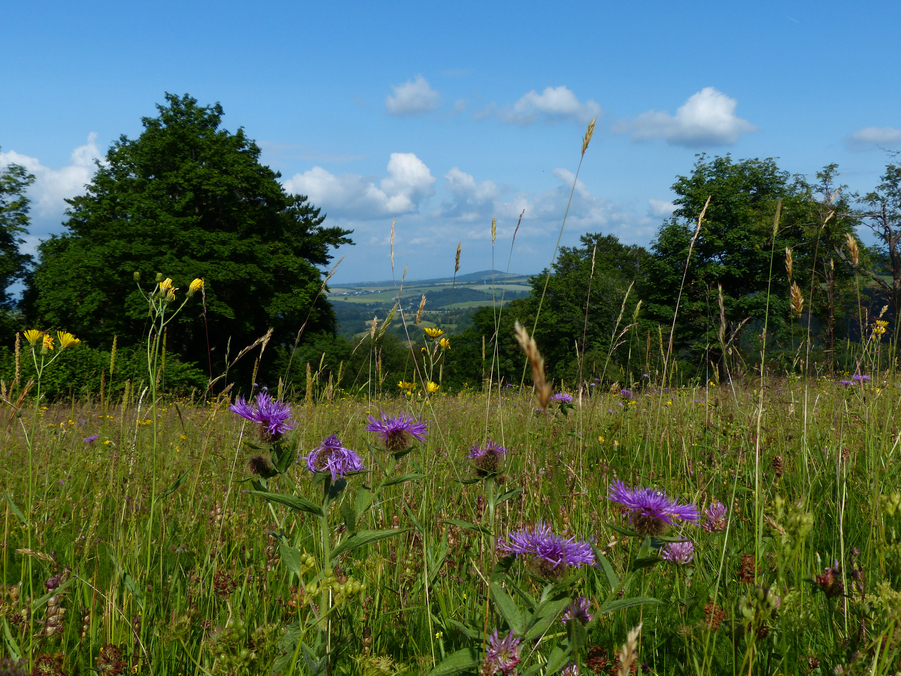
(715, 517)
(830, 581)
(626, 393)
(578, 610)
(332, 457)
(860, 379)
(488, 459)
(846, 383)
(563, 398)
(551, 554)
(571, 669)
(650, 511)
(501, 655)
(272, 415)
(678, 552)
(397, 431)
(91, 439)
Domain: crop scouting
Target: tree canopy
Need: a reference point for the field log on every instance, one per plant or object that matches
(187, 199)
(14, 206)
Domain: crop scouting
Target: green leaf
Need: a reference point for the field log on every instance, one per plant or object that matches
(16, 510)
(612, 577)
(283, 456)
(645, 562)
(403, 478)
(508, 609)
(619, 604)
(364, 500)
(558, 657)
(290, 557)
(455, 663)
(512, 493)
(366, 537)
(465, 525)
(545, 615)
(502, 567)
(15, 652)
(174, 487)
(413, 518)
(628, 532)
(468, 632)
(295, 502)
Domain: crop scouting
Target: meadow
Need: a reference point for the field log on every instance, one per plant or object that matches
(189, 539)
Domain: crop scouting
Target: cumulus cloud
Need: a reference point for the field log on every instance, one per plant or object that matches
(52, 186)
(409, 182)
(469, 200)
(705, 119)
(412, 97)
(554, 103)
(660, 208)
(873, 138)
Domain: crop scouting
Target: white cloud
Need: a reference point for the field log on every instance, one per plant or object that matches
(660, 208)
(874, 138)
(554, 103)
(706, 119)
(52, 186)
(409, 182)
(412, 97)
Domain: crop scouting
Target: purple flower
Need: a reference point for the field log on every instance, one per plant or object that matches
(488, 459)
(626, 393)
(715, 517)
(678, 552)
(562, 398)
(860, 379)
(578, 610)
(501, 655)
(272, 415)
(551, 553)
(91, 439)
(650, 511)
(397, 431)
(846, 383)
(332, 457)
(571, 669)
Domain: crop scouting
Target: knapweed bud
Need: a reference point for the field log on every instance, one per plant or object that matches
(137, 276)
(159, 277)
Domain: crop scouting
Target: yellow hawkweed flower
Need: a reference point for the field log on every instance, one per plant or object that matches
(404, 385)
(445, 343)
(433, 333)
(431, 387)
(879, 329)
(48, 342)
(166, 285)
(66, 340)
(196, 285)
(33, 336)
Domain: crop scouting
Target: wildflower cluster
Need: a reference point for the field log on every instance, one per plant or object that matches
(272, 416)
(397, 431)
(651, 512)
(551, 554)
(330, 456)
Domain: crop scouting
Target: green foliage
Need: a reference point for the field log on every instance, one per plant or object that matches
(187, 199)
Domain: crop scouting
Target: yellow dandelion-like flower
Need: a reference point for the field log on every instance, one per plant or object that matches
(196, 285)
(445, 343)
(66, 340)
(404, 385)
(48, 342)
(166, 285)
(431, 387)
(434, 333)
(33, 336)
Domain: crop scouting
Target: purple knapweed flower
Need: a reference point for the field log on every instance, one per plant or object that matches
(332, 457)
(626, 393)
(578, 610)
(846, 383)
(551, 554)
(501, 655)
(563, 398)
(650, 511)
(397, 431)
(860, 379)
(678, 552)
(715, 517)
(91, 439)
(272, 415)
(488, 458)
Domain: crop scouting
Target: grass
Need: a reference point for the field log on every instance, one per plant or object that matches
(218, 583)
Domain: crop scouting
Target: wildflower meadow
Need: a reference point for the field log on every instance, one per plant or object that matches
(644, 521)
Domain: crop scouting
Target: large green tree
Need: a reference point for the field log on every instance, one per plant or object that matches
(187, 199)
(735, 249)
(14, 206)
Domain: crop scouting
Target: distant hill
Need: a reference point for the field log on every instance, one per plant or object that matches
(483, 277)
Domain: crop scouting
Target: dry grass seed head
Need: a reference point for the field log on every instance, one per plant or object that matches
(528, 345)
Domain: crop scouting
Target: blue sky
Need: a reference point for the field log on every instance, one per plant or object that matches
(444, 115)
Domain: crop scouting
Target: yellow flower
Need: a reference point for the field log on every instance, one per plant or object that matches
(431, 387)
(166, 284)
(48, 342)
(404, 385)
(445, 343)
(33, 336)
(434, 333)
(66, 340)
(196, 285)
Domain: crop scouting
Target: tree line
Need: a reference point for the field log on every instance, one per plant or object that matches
(746, 243)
